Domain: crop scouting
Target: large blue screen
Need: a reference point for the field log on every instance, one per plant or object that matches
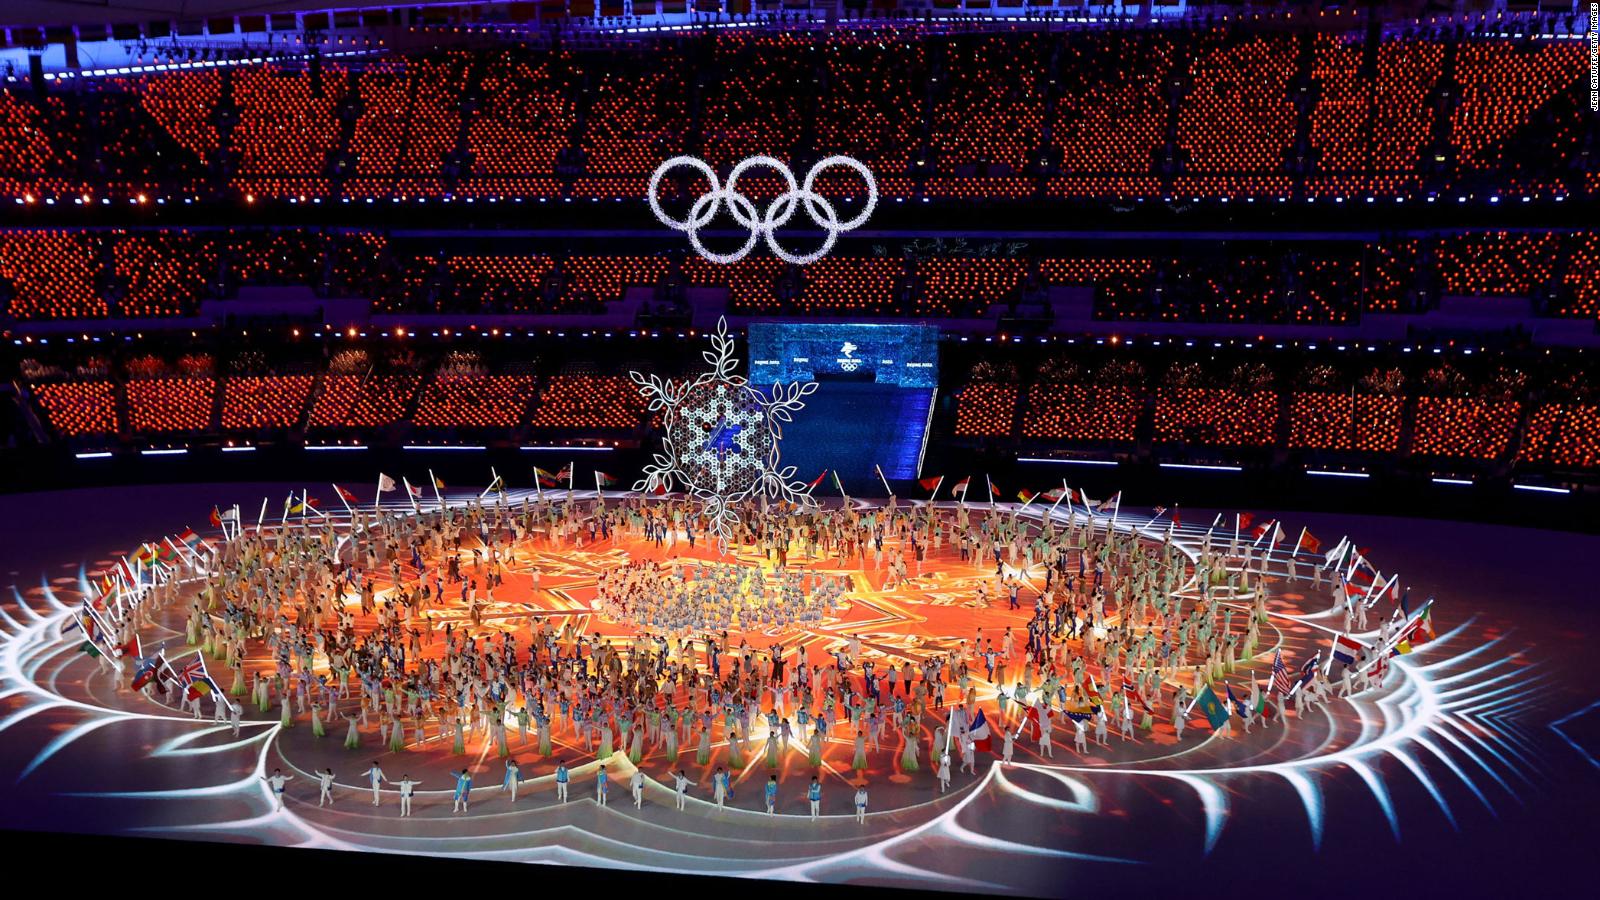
(899, 355)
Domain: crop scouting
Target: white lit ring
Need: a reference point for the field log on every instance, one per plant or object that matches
(777, 214)
(767, 221)
(698, 218)
(655, 184)
(866, 176)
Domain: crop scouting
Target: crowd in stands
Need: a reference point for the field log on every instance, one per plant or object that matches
(150, 273)
(1502, 413)
(1528, 411)
(1098, 113)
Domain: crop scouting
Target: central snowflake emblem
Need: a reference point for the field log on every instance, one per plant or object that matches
(721, 442)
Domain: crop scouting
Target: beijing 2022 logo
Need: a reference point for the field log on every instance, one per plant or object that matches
(763, 224)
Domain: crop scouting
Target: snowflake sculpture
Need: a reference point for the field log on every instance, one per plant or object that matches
(722, 436)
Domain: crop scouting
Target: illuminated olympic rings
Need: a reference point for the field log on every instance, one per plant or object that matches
(777, 214)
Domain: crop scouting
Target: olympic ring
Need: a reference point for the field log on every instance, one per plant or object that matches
(777, 214)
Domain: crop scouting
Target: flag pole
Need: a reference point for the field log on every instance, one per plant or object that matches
(1296, 551)
(377, 499)
(885, 481)
(410, 495)
(1266, 530)
(436, 495)
(990, 485)
(340, 495)
(261, 516)
(1064, 492)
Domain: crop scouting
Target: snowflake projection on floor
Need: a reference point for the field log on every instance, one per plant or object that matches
(1460, 722)
(722, 435)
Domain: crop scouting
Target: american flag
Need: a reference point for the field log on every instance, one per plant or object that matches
(1280, 673)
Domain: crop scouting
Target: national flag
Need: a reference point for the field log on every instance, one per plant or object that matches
(1242, 708)
(546, 479)
(1112, 502)
(817, 480)
(1280, 673)
(127, 648)
(565, 473)
(1054, 494)
(978, 732)
(1241, 521)
(1177, 522)
(416, 492)
(345, 495)
(1026, 496)
(960, 487)
(1424, 627)
(605, 480)
(1308, 669)
(145, 671)
(438, 483)
(993, 490)
(1260, 531)
(216, 517)
(231, 514)
(165, 551)
(108, 590)
(1337, 554)
(1158, 512)
(188, 538)
(125, 572)
(929, 484)
(1309, 543)
(145, 555)
(1211, 707)
(192, 669)
(498, 485)
(89, 648)
(194, 677)
(1031, 722)
(1346, 649)
(385, 483)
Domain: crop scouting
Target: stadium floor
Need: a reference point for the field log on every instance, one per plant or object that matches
(1476, 746)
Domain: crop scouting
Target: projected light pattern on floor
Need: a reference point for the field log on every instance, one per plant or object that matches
(1460, 714)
